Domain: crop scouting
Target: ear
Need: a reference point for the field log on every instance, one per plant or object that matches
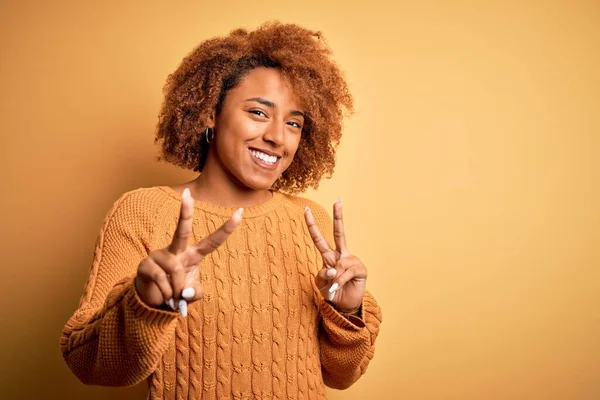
(212, 120)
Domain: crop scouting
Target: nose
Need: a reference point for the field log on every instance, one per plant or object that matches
(275, 133)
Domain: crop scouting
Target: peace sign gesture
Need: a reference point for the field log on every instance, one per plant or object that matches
(342, 280)
(172, 275)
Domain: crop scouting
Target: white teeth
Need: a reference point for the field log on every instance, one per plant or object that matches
(265, 157)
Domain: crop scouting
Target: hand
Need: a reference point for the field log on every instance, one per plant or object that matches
(170, 274)
(343, 278)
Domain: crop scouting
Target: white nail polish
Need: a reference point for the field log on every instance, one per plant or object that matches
(171, 304)
(306, 208)
(331, 272)
(339, 200)
(188, 293)
(183, 308)
(334, 287)
(331, 295)
(238, 213)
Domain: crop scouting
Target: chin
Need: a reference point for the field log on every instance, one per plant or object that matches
(258, 184)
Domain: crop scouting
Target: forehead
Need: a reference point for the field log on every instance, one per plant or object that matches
(267, 83)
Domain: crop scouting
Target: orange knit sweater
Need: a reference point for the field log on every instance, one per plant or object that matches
(261, 331)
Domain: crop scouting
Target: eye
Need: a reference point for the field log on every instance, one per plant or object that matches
(258, 112)
(295, 124)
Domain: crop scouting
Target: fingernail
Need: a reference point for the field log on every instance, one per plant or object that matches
(171, 304)
(238, 213)
(306, 208)
(339, 200)
(188, 293)
(331, 296)
(334, 287)
(186, 193)
(183, 308)
(331, 272)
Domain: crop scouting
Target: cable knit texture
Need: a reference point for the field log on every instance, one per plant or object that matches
(262, 329)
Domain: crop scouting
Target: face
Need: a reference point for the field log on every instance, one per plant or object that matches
(258, 130)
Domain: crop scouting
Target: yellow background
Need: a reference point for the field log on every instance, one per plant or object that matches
(469, 176)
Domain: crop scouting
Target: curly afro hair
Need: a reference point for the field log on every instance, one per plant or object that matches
(198, 88)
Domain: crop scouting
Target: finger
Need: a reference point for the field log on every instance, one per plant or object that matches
(184, 225)
(344, 263)
(331, 295)
(183, 307)
(151, 273)
(338, 229)
(354, 272)
(318, 239)
(193, 289)
(324, 277)
(192, 293)
(172, 266)
(218, 237)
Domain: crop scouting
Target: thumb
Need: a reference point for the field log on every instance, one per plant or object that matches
(324, 277)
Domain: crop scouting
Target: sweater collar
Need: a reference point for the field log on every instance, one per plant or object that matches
(249, 212)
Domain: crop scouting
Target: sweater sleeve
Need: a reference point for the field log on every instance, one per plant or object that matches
(113, 338)
(347, 344)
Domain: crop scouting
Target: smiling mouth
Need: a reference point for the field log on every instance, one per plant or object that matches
(263, 158)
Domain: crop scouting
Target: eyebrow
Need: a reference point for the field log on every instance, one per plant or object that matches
(270, 104)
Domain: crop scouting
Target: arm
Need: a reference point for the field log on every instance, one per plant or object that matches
(114, 339)
(347, 342)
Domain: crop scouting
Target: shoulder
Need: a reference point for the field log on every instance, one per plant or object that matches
(302, 202)
(322, 217)
(138, 209)
(143, 201)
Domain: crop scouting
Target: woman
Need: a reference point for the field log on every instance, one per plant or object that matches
(224, 287)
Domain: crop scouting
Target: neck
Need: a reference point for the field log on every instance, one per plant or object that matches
(216, 186)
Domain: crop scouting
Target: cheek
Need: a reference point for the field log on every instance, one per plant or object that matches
(293, 145)
(227, 151)
(292, 150)
(237, 127)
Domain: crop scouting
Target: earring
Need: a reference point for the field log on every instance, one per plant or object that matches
(207, 132)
